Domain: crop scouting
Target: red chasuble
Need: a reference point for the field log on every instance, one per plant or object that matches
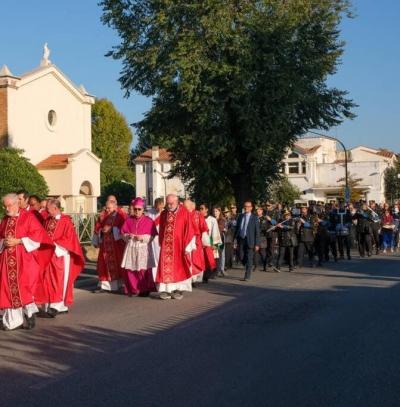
(20, 270)
(111, 250)
(62, 232)
(199, 226)
(176, 232)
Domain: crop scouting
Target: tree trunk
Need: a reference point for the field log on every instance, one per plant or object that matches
(241, 186)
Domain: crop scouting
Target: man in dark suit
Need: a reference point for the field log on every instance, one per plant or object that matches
(247, 236)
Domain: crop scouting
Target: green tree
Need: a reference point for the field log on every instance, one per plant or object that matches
(111, 141)
(282, 190)
(354, 186)
(16, 172)
(233, 82)
(123, 191)
(392, 183)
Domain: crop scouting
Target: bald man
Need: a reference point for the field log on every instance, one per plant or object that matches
(177, 242)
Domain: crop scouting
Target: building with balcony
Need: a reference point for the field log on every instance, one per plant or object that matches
(316, 167)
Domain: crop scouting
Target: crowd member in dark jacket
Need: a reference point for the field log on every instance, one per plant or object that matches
(364, 230)
(376, 216)
(261, 255)
(271, 234)
(287, 239)
(247, 237)
(229, 238)
(306, 238)
(341, 218)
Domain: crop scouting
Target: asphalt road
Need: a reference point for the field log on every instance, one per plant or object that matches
(317, 337)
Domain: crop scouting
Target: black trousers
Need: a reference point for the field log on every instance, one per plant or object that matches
(364, 243)
(261, 258)
(281, 256)
(331, 245)
(270, 251)
(375, 236)
(229, 255)
(344, 242)
(305, 247)
(246, 255)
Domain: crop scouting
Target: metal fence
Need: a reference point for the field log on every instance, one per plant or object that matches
(84, 226)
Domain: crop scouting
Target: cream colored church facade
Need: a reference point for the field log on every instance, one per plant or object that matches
(45, 114)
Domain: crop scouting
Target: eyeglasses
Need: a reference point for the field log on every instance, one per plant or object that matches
(137, 209)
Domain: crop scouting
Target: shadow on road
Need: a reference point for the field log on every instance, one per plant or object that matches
(262, 346)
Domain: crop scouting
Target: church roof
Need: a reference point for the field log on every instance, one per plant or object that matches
(164, 155)
(54, 161)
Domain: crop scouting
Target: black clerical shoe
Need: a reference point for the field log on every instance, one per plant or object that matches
(30, 322)
(44, 314)
(52, 312)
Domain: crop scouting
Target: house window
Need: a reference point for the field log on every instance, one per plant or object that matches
(303, 167)
(141, 168)
(293, 155)
(293, 168)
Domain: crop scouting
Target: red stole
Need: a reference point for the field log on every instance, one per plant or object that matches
(20, 270)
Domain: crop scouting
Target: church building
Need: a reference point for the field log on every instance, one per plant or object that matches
(46, 115)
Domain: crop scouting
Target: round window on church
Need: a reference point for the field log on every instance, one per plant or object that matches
(52, 118)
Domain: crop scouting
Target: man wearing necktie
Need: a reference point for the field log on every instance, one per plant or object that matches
(247, 237)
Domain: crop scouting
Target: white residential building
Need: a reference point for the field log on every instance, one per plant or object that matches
(317, 168)
(45, 114)
(152, 170)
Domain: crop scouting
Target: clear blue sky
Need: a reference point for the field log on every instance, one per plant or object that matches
(78, 41)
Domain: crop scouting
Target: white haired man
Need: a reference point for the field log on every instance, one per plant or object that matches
(177, 241)
(25, 249)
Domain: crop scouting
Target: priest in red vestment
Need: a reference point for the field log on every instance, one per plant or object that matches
(109, 239)
(177, 241)
(25, 250)
(200, 229)
(56, 292)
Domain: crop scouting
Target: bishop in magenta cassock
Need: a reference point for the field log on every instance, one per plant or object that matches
(56, 291)
(177, 241)
(138, 230)
(25, 250)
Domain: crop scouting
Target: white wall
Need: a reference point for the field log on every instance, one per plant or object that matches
(28, 108)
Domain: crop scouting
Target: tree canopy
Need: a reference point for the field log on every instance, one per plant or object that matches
(281, 190)
(111, 141)
(17, 173)
(233, 83)
(392, 182)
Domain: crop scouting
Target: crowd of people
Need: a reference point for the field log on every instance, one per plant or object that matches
(40, 258)
(172, 247)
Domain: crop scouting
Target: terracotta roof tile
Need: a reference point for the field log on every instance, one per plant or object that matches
(54, 161)
(303, 150)
(164, 155)
(385, 153)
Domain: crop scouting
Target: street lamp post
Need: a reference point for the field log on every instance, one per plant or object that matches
(347, 190)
